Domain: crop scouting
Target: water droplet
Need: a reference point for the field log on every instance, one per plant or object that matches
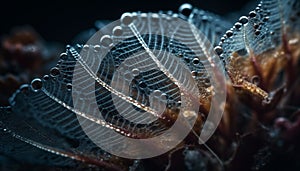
(266, 19)
(255, 80)
(163, 96)
(255, 26)
(157, 93)
(219, 50)
(97, 48)
(54, 72)
(69, 86)
(238, 25)
(229, 33)
(194, 73)
(144, 15)
(4, 129)
(175, 16)
(257, 32)
(168, 12)
(205, 18)
(36, 84)
(155, 17)
(135, 72)
(46, 77)
(179, 54)
(106, 41)
(63, 56)
(186, 9)
(86, 47)
(243, 20)
(117, 31)
(79, 46)
(196, 61)
(24, 88)
(126, 19)
(252, 14)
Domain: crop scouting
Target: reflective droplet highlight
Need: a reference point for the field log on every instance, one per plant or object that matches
(36, 84)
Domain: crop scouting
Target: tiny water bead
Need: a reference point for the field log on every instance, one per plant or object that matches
(97, 48)
(157, 93)
(266, 19)
(106, 41)
(143, 15)
(255, 80)
(222, 39)
(238, 25)
(257, 32)
(256, 26)
(46, 77)
(54, 72)
(79, 47)
(155, 17)
(69, 86)
(229, 33)
(24, 88)
(194, 73)
(68, 47)
(117, 31)
(126, 19)
(185, 9)
(196, 61)
(205, 18)
(86, 47)
(63, 56)
(252, 14)
(244, 20)
(135, 72)
(218, 50)
(163, 96)
(36, 84)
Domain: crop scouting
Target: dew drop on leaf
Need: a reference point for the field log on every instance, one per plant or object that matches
(185, 9)
(69, 86)
(126, 19)
(63, 56)
(117, 31)
(54, 72)
(106, 41)
(36, 84)
(243, 20)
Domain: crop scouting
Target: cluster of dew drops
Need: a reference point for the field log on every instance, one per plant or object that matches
(127, 19)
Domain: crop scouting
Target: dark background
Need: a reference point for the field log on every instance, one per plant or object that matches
(62, 20)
